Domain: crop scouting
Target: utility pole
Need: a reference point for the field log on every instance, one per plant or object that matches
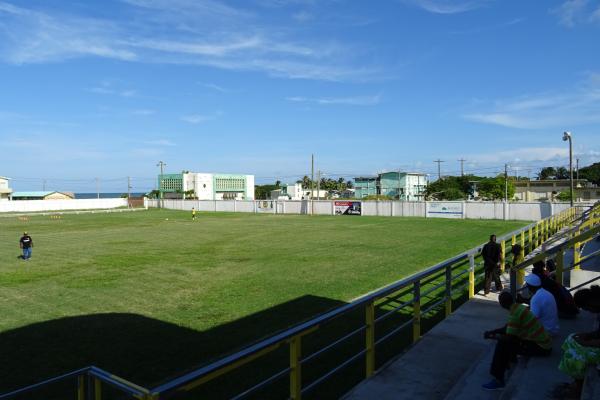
(44, 185)
(128, 190)
(462, 169)
(312, 177)
(506, 183)
(318, 185)
(439, 162)
(160, 192)
(97, 187)
(399, 184)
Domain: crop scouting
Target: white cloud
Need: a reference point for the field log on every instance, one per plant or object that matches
(355, 101)
(160, 142)
(581, 105)
(200, 118)
(522, 154)
(207, 33)
(215, 87)
(143, 112)
(573, 12)
(110, 89)
(448, 6)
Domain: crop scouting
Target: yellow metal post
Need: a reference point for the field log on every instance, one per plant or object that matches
(502, 255)
(81, 387)
(523, 244)
(370, 338)
(560, 266)
(576, 253)
(295, 368)
(530, 247)
(97, 389)
(471, 276)
(417, 312)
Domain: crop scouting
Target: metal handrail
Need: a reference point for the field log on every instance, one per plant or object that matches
(46, 382)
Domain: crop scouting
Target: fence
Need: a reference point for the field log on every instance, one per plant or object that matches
(59, 205)
(429, 209)
(413, 298)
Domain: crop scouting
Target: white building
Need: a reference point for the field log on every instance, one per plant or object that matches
(5, 190)
(208, 186)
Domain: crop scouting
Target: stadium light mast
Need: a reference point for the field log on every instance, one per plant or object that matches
(567, 136)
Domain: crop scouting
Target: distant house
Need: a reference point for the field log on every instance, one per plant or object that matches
(42, 195)
(397, 185)
(547, 190)
(5, 191)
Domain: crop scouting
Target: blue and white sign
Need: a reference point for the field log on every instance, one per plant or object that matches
(445, 209)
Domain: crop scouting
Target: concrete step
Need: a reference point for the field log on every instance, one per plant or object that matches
(532, 378)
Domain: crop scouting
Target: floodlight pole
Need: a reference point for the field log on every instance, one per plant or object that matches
(567, 136)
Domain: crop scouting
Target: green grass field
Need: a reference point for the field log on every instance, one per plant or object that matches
(150, 294)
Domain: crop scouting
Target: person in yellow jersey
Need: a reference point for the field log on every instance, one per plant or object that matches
(523, 334)
(193, 214)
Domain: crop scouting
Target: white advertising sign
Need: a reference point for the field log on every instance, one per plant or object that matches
(443, 209)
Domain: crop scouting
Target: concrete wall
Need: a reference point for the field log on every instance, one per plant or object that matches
(58, 205)
(470, 210)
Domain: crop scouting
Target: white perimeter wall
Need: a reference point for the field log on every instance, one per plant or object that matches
(58, 205)
(471, 210)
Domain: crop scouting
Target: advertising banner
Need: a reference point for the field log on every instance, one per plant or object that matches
(444, 209)
(347, 207)
(265, 206)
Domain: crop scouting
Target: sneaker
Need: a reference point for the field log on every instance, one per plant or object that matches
(494, 384)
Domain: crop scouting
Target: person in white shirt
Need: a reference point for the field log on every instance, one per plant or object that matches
(542, 304)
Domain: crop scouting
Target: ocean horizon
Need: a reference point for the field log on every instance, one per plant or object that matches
(112, 195)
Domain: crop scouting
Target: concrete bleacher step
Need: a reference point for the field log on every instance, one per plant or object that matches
(533, 378)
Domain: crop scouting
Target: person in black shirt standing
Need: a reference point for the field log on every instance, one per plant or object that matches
(26, 243)
(491, 253)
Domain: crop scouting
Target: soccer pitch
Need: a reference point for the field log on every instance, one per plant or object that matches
(106, 288)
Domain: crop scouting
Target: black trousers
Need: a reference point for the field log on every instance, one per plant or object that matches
(492, 273)
(507, 349)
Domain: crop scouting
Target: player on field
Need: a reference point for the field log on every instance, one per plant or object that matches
(26, 243)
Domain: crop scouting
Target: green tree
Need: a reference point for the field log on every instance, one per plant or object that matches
(562, 173)
(450, 187)
(591, 173)
(547, 173)
(563, 196)
(493, 188)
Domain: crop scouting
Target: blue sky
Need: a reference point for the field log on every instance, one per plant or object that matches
(108, 88)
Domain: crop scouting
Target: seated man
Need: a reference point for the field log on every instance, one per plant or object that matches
(564, 301)
(523, 334)
(542, 304)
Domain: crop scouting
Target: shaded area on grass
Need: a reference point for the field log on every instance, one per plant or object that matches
(143, 350)
(149, 352)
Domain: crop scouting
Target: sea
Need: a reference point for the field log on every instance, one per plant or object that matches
(104, 195)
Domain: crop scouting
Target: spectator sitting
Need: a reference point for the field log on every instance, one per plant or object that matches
(564, 301)
(581, 349)
(542, 304)
(523, 334)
